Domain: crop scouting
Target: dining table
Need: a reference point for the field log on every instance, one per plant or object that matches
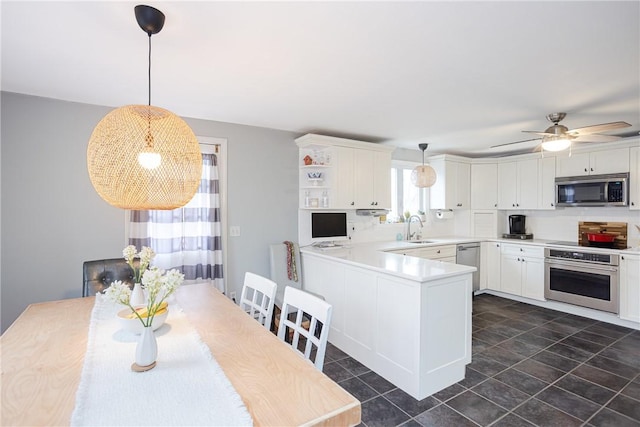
(43, 353)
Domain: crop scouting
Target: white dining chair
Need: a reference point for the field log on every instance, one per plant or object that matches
(307, 315)
(258, 297)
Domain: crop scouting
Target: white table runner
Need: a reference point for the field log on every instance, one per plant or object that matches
(187, 387)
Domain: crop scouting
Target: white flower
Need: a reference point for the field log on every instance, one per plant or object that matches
(155, 283)
(146, 255)
(129, 253)
(118, 292)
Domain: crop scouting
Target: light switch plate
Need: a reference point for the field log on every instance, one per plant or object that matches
(234, 231)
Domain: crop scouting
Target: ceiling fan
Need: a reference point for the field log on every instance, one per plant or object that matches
(558, 137)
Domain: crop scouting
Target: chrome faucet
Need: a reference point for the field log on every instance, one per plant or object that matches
(409, 234)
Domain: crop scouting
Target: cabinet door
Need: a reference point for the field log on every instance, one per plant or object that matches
(634, 178)
(344, 180)
(630, 288)
(493, 266)
(511, 274)
(363, 167)
(527, 184)
(462, 184)
(533, 278)
(547, 183)
(451, 190)
(382, 180)
(507, 185)
(484, 186)
(609, 161)
(576, 165)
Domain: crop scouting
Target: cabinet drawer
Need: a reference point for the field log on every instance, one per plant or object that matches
(523, 250)
(436, 252)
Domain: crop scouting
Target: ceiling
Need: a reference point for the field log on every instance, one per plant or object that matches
(462, 76)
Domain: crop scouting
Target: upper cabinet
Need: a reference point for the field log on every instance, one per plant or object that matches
(518, 184)
(368, 183)
(452, 187)
(634, 178)
(353, 174)
(547, 183)
(593, 163)
(484, 186)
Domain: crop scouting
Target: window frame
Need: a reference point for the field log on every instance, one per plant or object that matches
(399, 166)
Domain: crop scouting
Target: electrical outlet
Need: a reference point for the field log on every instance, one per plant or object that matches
(233, 296)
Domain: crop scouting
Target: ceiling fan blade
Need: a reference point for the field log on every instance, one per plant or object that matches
(538, 132)
(599, 128)
(516, 142)
(597, 138)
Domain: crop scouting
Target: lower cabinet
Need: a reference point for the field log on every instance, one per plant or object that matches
(522, 270)
(416, 334)
(493, 268)
(630, 287)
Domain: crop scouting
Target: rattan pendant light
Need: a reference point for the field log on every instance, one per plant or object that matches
(142, 157)
(423, 176)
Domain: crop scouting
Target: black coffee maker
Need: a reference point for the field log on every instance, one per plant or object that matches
(516, 224)
(517, 229)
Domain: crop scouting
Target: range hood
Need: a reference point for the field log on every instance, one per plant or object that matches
(371, 212)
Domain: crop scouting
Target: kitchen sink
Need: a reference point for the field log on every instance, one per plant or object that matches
(421, 241)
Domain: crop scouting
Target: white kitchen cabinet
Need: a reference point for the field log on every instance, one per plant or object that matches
(630, 287)
(522, 270)
(416, 332)
(345, 179)
(491, 269)
(484, 186)
(634, 178)
(593, 163)
(518, 184)
(356, 174)
(364, 179)
(547, 183)
(451, 190)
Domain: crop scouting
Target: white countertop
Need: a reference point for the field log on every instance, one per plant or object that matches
(376, 255)
(373, 256)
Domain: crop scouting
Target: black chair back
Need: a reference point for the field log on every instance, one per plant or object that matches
(99, 274)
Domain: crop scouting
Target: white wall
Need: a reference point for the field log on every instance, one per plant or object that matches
(53, 220)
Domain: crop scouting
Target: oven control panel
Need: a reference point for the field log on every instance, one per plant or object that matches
(599, 258)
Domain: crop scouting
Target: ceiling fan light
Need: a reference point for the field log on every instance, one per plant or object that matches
(555, 143)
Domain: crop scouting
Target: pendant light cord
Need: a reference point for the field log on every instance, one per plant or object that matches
(149, 71)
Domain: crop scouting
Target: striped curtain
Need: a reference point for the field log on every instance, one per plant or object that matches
(188, 238)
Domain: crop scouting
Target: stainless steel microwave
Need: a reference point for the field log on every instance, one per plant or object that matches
(593, 190)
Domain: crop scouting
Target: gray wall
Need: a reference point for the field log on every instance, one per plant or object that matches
(53, 220)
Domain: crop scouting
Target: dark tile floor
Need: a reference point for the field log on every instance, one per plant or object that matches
(531, 367)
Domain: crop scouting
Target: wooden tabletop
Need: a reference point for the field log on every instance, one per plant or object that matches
(43, 353)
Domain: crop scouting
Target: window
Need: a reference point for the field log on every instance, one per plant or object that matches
(404, 195)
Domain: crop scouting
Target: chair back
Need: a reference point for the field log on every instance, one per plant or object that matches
(99, 274)
(308, 316)
(258, 297)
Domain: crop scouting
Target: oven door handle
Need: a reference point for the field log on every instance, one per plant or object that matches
(579, 266)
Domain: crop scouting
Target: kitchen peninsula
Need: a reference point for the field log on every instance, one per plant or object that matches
(407, 318)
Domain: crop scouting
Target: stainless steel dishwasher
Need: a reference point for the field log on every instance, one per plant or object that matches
(469, 254)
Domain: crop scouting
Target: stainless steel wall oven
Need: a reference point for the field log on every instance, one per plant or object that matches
(582, 278)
